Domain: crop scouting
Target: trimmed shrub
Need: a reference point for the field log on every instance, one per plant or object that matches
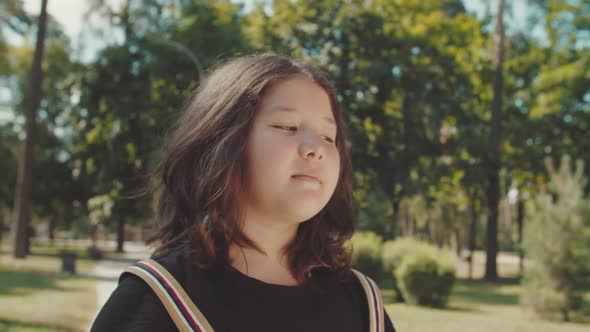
(393, 254)
(422, 273)
(366, 254)
(425, 279)
(395, 251)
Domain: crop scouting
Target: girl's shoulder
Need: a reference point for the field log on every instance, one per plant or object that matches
(178, 266)
(367, 295)
(353, 280)
(172, 260)
(133, 305)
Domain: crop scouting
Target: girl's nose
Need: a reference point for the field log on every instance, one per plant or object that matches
(311, 147)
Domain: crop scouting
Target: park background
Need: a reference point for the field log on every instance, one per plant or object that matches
(469, 125)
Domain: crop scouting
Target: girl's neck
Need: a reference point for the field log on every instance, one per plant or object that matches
(272, 267)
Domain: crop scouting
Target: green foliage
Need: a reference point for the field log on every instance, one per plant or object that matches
(406, 72)
(366, 248)
(557, 241)
(13, 19)
(395, 251)
(375, 211)
(414, 79)
(8, 166)
(424, 274)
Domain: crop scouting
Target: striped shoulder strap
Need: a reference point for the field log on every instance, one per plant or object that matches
(376, 311)
(181, 309)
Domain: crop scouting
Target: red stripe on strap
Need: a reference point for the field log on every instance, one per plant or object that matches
(173, 294)
(375, 302)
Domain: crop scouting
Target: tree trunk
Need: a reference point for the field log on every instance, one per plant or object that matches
(472, 232)
(405, 221)
(30, 233)
(520, 223)
(458, 242)
(428, 229)
(93, 235)
(69, 215)
(395, 217)
(120, 234)
(52, 222)
(22, 199)
(1, 226)
(493, 169)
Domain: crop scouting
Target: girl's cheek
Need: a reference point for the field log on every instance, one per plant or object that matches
(279, 141)
(333, 152)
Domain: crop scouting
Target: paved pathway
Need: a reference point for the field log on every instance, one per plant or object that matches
(107, 272)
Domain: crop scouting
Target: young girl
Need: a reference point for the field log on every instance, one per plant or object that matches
(254, 210)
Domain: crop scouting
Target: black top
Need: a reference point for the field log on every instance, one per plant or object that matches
(232, 301)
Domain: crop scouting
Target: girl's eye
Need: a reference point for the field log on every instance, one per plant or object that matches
(287, 128)
(294, 129)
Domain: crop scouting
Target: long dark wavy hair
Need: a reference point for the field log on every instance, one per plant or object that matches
(202, 171)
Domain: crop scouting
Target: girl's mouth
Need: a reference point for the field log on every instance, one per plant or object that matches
(305, 177)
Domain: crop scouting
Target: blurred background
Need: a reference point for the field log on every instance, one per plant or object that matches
(469, 127)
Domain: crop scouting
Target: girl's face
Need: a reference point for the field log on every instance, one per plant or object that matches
(293, 162)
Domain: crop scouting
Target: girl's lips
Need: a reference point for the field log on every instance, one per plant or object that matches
(304, 177)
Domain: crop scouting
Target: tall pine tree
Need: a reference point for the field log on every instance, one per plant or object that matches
(557, 241)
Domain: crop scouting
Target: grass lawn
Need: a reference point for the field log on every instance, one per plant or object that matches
(34, 296)
(80, 251)
(479, 306)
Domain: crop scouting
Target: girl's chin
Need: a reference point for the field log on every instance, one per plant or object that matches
(305, 213)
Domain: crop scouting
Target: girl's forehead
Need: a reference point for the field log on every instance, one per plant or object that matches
(293, 84)
(295, 93)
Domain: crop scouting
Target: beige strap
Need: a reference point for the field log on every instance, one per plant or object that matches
(375, 302)
(188, 317)
(180, 307)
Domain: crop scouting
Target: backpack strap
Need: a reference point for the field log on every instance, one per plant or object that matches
(181, 309)
(375, 302)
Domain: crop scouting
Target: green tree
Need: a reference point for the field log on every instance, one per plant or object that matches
(13, 18)
(557, 240)
(493, 161)
(8, 157)
(22, 200)
(561, 106)
(405, 72)
(133, 92)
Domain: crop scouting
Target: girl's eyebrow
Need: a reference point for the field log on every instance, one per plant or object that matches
(283, 108)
